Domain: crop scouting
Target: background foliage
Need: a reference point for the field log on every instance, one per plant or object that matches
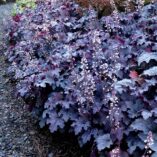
(21, 5)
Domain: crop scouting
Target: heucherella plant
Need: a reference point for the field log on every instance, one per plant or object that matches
(92, 77)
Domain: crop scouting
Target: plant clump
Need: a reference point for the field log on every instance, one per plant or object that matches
(94, 77)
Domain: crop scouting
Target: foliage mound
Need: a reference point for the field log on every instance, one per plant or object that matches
(92, 77)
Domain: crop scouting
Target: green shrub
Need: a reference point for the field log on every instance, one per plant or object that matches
(22, 4)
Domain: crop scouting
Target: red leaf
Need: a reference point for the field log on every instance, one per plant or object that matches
(133, 74)
(16, 18)
(120, 39)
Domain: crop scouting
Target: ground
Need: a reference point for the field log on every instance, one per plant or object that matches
(18, 132)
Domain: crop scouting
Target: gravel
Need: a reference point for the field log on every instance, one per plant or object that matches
(16, 123)
(5, 11)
